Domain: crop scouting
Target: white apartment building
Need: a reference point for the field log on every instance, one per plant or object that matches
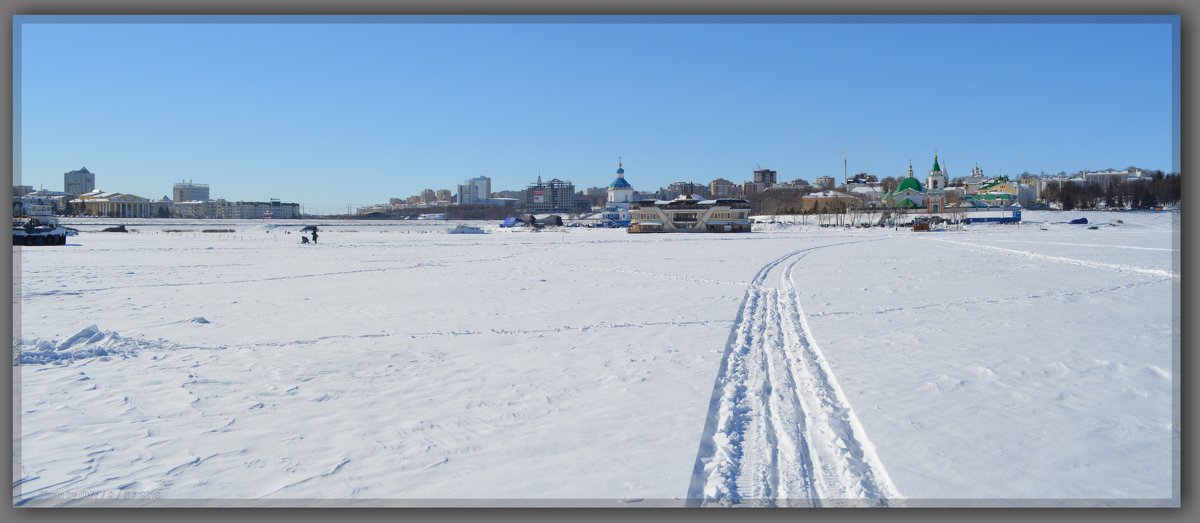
(475, 191)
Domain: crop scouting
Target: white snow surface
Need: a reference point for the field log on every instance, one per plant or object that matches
(396, 364)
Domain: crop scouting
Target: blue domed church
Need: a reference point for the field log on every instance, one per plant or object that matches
(620, 195)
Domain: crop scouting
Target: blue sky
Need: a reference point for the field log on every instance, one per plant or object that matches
(339, 111)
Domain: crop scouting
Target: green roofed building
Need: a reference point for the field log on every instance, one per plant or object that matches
(909, 194)
(910, 183)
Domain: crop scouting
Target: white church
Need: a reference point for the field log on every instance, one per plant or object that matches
(620, 195)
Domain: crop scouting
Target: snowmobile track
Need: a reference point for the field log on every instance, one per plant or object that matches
(779, 430)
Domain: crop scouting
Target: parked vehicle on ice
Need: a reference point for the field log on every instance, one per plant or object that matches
(37, 225)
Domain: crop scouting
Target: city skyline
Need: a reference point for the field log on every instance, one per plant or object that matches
(357, 110)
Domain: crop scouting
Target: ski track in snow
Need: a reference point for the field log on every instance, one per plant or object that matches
(1097, 245)
(993, 300)
(780, 432)
(1085, 263)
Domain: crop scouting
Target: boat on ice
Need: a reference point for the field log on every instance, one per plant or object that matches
(36, 225)
(466, 229)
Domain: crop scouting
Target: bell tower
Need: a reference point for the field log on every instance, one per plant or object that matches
(935, 196)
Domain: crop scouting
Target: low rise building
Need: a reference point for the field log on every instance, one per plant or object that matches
(224, 209)
(1110, 177)
(118, 205)
(57, 200)
(861, 179)
(1001, 191)
(195, 209)
(871, 195)
(829, 201)
(273, 209)
(689, 214)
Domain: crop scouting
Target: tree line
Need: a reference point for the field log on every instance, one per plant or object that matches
(1160, 189)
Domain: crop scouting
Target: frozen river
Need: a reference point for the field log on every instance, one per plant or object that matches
(395, 364)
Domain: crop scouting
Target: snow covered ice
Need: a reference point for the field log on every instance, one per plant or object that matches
(396, 364)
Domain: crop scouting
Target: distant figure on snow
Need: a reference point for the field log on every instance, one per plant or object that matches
(304, 239)
(314, 235)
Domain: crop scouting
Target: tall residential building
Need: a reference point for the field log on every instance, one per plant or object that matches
(189, 192)
(826, 182)
(475, 191)
(752, 188)
(688, 189)
(428, 197)
(443, 195)
(79, 182)
(766, 177)
(721, 188)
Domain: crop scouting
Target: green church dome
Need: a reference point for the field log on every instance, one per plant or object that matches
(910, 183)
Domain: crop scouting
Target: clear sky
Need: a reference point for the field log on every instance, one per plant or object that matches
(338, 111)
